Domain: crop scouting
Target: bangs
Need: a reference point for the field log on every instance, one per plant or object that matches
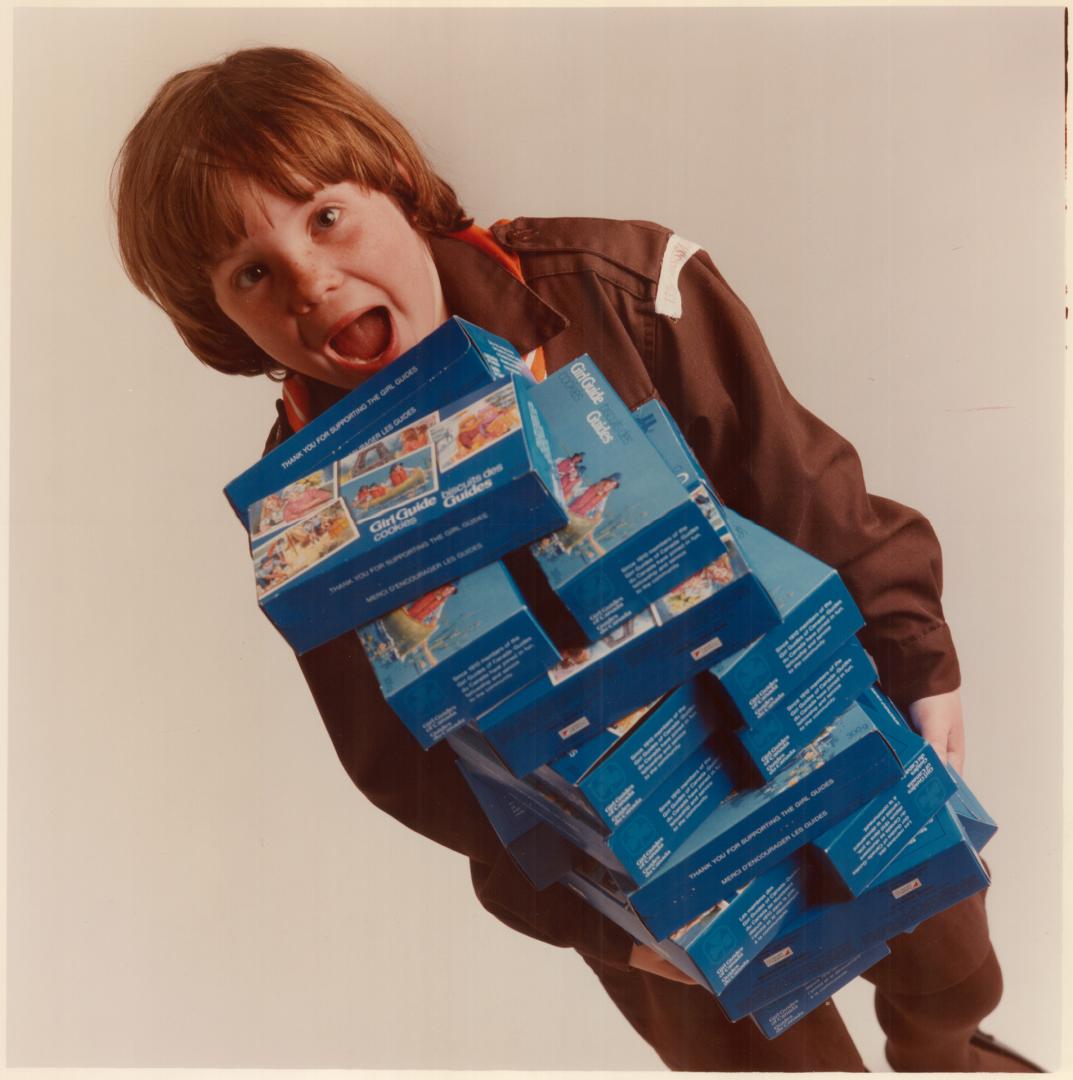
(294, 159)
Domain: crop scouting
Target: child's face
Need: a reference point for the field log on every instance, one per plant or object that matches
(335, 288)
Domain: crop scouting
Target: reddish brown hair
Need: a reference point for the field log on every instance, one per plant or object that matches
(286, 119)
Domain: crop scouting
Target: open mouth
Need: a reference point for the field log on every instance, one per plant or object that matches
(365, 341)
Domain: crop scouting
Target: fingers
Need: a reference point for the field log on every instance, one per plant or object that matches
(939, 720)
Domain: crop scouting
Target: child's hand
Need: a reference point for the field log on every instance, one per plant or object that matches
(939, 720)
(645, 959)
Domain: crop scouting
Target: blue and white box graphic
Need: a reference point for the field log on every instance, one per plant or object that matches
(723, 940)
(658, 743)
(580, 829)
(817, 616)
(643, 658)
(462, 355)
(563, 774)
(978, 824)
(861, 846)
(827, 691)
(452, 654)
(475, 480)
(754, 829)
(633, 533)
(780, 1015)
(938, 868)
(664, 434)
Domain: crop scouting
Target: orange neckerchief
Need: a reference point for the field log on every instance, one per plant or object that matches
(296, 398)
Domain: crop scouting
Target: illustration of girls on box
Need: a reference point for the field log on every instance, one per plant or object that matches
(302, 545)
(571, 469)
(585, 507)
(385, 450)
(405, 633)
(390, 472)
(476, 427)
(292, 503)
(706, 582)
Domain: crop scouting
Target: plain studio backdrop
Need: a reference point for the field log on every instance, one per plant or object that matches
(192, 878)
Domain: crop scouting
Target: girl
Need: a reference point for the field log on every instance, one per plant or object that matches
(290, 227)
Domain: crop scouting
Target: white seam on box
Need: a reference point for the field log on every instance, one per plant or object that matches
(675, 256)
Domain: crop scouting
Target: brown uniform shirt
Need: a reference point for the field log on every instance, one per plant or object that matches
(591, 286)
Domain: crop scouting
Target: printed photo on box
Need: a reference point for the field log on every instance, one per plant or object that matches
(703, 498)
(301, 546)
(696, 588)
(590, 527)
(391, 485)
(385, 450)
(404, 636)
(291, 504)
(705, 583)
(476, 427)
(571, 471)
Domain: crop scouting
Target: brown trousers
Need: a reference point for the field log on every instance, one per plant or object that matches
(931, 993)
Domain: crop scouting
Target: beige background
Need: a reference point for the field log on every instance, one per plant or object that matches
(192, 880)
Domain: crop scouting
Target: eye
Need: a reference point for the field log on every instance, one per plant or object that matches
(248, 276)
(327, 217)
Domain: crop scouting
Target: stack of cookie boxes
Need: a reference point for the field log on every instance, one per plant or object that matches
(706, 760)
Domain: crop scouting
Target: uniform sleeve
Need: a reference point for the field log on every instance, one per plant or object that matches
(424, 790)
(775, 462)
(554, 915)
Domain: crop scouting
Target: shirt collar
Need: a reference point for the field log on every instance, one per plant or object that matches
(482, 291)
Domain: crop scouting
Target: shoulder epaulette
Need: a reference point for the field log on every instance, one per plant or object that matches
(635, 246)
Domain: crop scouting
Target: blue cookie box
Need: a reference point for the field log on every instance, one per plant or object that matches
(858, 849)
(663, 433)
(556, 713)
(780, 1015)
(936, 870)
(538, 851)
(499, 499)
(649, 535)
(723, 943)
(754, 829)
(825, 692)
(581, 830)
(817, 616)
(465, 357)
(978, 824)
(484, 646)
(633, 767)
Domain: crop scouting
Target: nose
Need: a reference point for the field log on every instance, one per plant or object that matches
(310, 279)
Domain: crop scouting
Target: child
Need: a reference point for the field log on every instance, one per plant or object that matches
(289, 226)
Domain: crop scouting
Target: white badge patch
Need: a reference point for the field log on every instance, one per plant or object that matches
(676, 255)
